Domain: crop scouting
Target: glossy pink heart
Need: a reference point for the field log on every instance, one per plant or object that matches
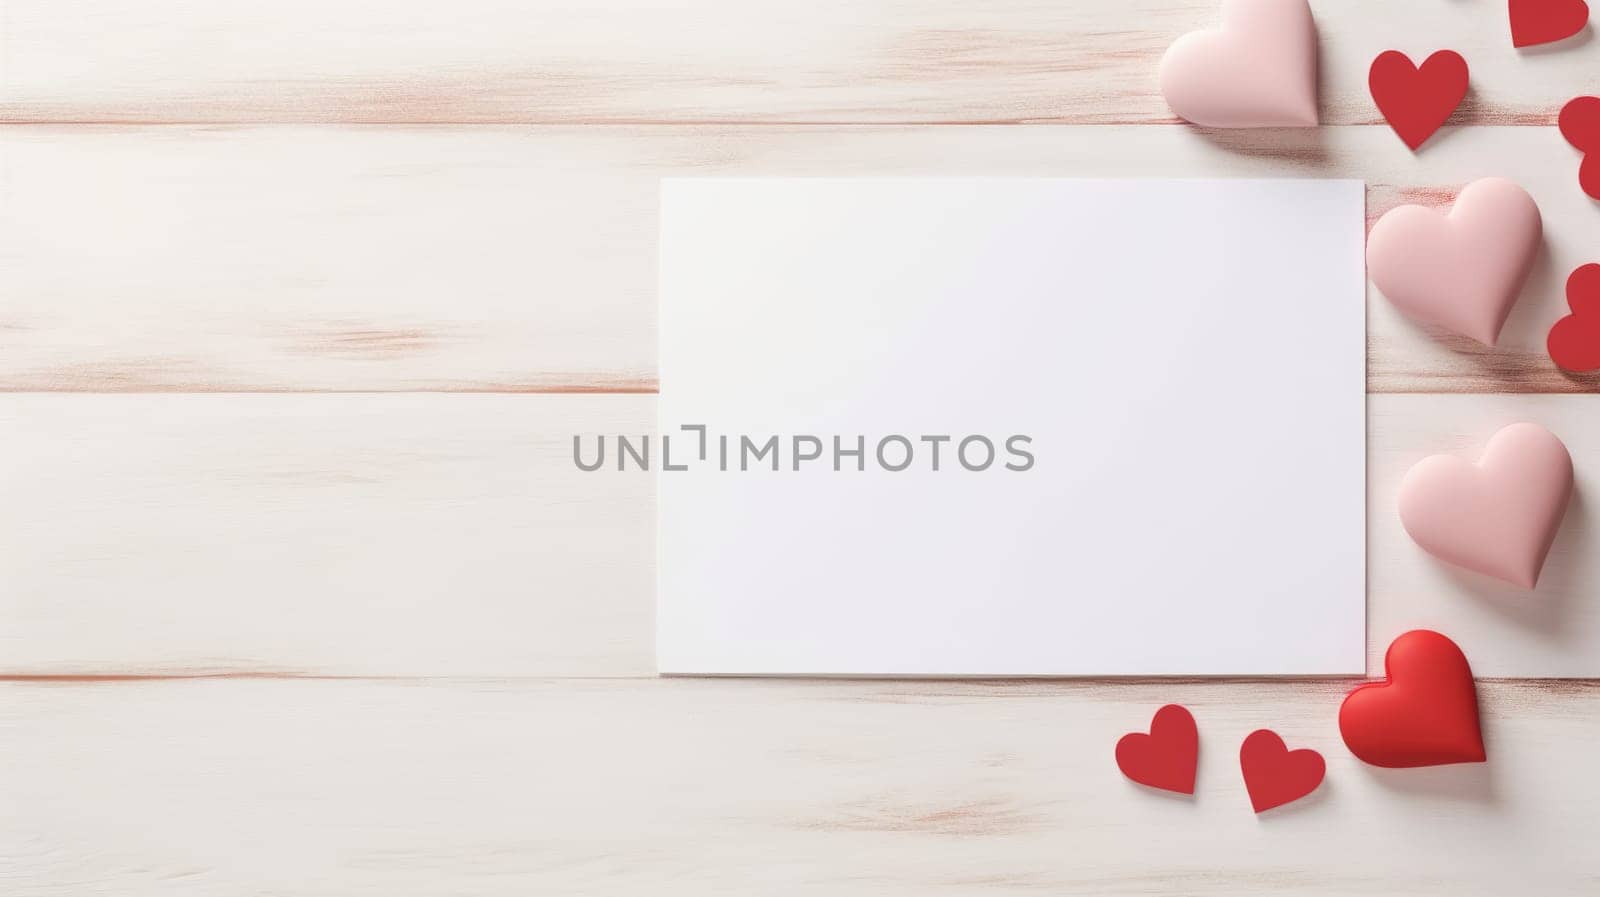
(1499, 516)
(1461, 271)
(1258, 71)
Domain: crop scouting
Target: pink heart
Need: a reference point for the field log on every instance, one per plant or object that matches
(1462, 271)
(1258, 71)
(1498, 516)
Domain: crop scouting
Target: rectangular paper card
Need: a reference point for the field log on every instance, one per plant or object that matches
(1012, 427)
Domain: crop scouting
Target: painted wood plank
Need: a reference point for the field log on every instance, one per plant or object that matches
(302, 259)
(358, 788)
(523, 258)
(703, 60)
(347, 534)
(435, 535)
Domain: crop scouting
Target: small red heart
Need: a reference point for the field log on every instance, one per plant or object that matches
(1424, 714)
(1546, 21)
(1580, 124)
(1575, 339)
(1275, 775)
(1417, 101)
(1167, 757)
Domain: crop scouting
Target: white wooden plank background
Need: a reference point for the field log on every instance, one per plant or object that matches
(265, 631)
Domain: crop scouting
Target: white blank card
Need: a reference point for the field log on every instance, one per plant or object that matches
(1021, 427)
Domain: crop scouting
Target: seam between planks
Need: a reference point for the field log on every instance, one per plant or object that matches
(1512, 120)
(643, 387)
(1063, 684)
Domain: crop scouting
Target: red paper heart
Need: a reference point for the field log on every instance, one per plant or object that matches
(1546, 21)
(1575, 339)
(1166, 758)
(1580, 124)
(1275, 775)
(1417, 101)
(1425, 714)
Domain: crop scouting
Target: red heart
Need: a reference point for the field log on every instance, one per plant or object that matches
(1417, 101)
(1545, 21)
(1166, 758)
(1575, 340)
(1275, 775)
(1580, 124)
(1425, 714)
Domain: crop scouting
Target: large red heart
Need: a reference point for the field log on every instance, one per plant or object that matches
(1417, 101)
(1425, 714)
(1166, 758)
(1275, 775)
(1580, 124)
(1575, 339)
(1546, 21)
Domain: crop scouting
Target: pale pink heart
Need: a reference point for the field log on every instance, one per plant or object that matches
(1499, 516)
(1464, 270)
(1258, 71)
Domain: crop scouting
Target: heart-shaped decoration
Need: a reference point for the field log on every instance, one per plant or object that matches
(1575, 339)
(1167, 757)
(1424, 714)
(1464, 270)
(1258, 71)
(1546, 21)
(1580, 124)
(1497, 517)
(1275, 775)
(1417, 101)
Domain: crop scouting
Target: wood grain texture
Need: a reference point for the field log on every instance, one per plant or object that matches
(523, 258)
(301, 259)
(371, 789)
(557, 61)
(348, 534)
(281, 543)
(435, 535)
